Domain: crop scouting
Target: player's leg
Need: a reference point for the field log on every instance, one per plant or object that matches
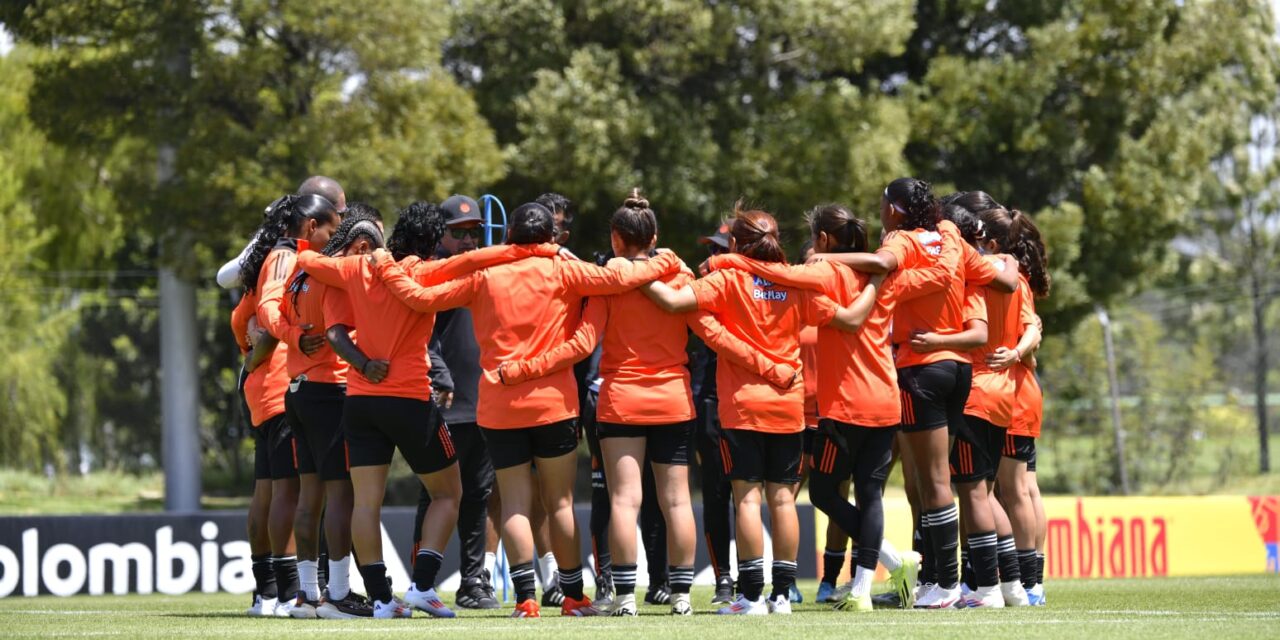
(653, 530)
(265, 593)
(669, 456)
(284, 503)
(782, 455)
(555, 454)
(623, 455)
(511, 451)
(717, 497)
(969, 464)
(473, 519)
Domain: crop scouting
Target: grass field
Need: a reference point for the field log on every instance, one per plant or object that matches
(1236, 607)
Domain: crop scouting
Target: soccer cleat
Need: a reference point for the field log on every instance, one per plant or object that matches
(302, 608)
(888, 600)
(854, 602)
(352, 606)
(794, 595)
(284, 608)
(826, 592)
(985, 598)
(474, 594)
(578, 608)
(428, 602)
(393, 609)
(779, 605)
(724, 591)
(1015, 595)
(527, 609)
(552, 596)
(261, 607)
(744, 607)
(1035, 597)
(660, 594)
(943, 598)
(625, 606)
(681, 605)
(904, 578)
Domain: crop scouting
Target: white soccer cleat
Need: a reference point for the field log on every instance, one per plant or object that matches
(924, 595)
(261, 607)
(1036, 595)
(985, 598)
(779, 605)
(302, 609)
(623, 605)
(939, 598)
(428, 602)
(1015, 595)
(744, 607)
(393, 609)
(681, 605)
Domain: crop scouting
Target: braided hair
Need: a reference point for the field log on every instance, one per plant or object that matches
(848, 232)
(970, 225)
(417, 232)
(1018, 236)
(361, 222)
(634, 222)
(914, 199)
(284, 219)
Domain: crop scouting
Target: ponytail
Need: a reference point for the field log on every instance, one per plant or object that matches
(1028, 247)
(284, 218)
(635, 223)
(848, 232)
(756, 234)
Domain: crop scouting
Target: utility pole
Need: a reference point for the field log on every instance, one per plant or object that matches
(1121, 470)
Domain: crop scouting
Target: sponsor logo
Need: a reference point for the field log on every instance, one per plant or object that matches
(766, 294)
(1096, 547)
(931, 241)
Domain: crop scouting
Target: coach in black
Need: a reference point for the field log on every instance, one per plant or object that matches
(455, 378)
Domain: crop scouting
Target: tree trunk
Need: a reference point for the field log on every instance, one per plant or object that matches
(1259, 300)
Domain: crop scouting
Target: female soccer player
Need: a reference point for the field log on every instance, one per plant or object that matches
(1015, 233)
(645, 407)
(389, 404)
(522, 310)
(763, 425)
(858, 395)
(293, 221)
(934, 380)
(313, 407)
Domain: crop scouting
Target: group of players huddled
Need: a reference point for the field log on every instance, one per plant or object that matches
(474, 362)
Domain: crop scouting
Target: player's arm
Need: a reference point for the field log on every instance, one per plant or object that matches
(973, 337)
(881, 262)
(587, 279)
(733, 349)
(339, 337)
(850, 318)
(979, 270)
(454, 293)
(262, 345)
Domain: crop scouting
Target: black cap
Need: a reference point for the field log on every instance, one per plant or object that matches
(459, 209)
(720, 237)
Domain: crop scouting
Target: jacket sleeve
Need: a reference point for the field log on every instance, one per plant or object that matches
(454, 293)
(333, 272)
(733, 349)
(590, 280)
(272, 281)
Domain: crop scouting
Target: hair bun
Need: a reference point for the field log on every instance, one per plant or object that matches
(636, 200)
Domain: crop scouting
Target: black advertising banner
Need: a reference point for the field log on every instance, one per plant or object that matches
(208, 552)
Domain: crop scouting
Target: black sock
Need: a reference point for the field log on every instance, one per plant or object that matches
(832, 563)
(1009, 569)
(681, 578)
(784, 577)
(966, 565)
(624, 579)
(1027, 566)
(751, 578)
(944, 529)
(571, 582)
(982, 553)
(322, 570)
(425, 568)
(524, 581)
(263, 575)
(928, 573)
(375, 581)
(286, 570)
(866, 558)
(1039, 568)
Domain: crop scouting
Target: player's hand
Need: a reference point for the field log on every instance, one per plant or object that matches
(376, 370)
(310, 344)
(444, 399)
(877, 280)
(1002, 358)
(925, 341)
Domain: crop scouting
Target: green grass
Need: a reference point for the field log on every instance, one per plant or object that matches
(1236, 607)
(100, 492)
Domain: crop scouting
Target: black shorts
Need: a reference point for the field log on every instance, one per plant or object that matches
(976, 454)
(314, 411)
(754, 456)
(933, 395)
(513, 447)
(275, 453)
(810, 439)
(849, 451)
(375, 426)
(664, 443)
(1020, 448)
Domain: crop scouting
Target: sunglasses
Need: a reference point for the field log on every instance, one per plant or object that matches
(473, 232)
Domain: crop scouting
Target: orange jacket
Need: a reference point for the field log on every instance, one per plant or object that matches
(1028, 406)
(522, 310)
(388, 330)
